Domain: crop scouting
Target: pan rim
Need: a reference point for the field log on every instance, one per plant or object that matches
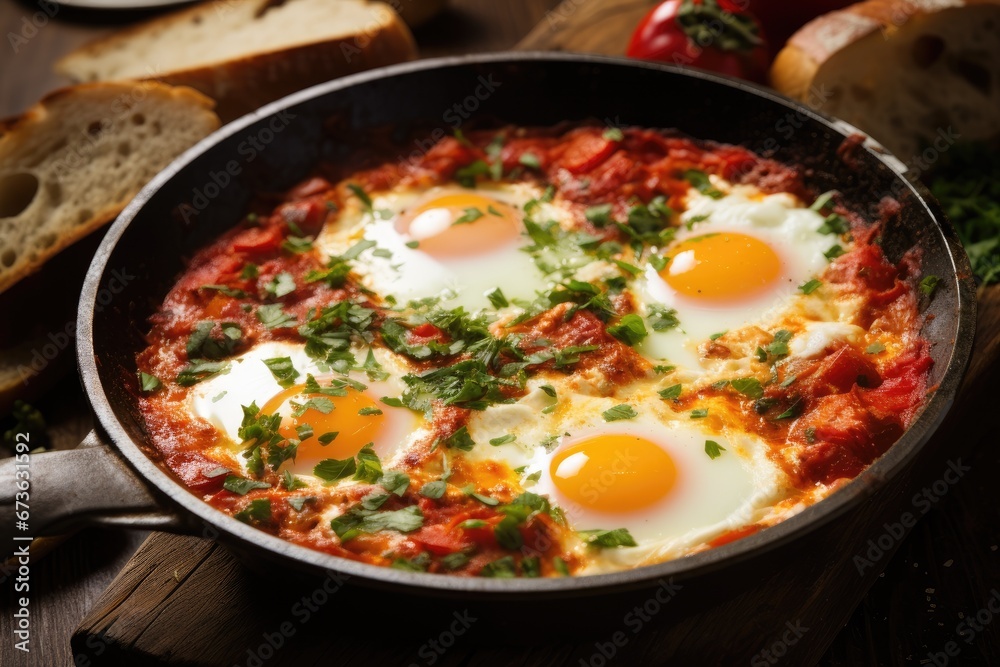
(812, 518)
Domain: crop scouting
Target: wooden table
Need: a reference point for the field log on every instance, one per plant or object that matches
(946, 569)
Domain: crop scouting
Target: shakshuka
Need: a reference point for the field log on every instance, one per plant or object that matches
(536, 352)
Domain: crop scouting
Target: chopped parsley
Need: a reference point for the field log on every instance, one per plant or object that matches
(201, 369)
(834, 224)
(369, 466)
(358, 520)
(929, 284)
(201, 344)
(613, 134)
(256, 511)
(700, 181)
(713, 449)
(297, 244)
(242, 485)
(395, 482)
(497, 299)
(469, 215)
(822, 201)
(273, 317)
(280, 285)
(149, 383)
(599, 214)
(810, 286)
(671, 393)
(282, 370)
(629, 330)
(330, 470)
(608, 539)
(749, 387)
(662, 318)
(226, 290)
(434, 490)
(834, 252)
(460, 439)
(530, 160)
(619, 412)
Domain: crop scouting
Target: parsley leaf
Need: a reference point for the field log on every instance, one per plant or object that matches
(629, 330)
(608, 539)
(200, 369)
(369, 466)
(497, 298)
(599, 214)
(619, 412)
(282, 370)
(242, 485)
(434, 490)
(201, 344)
(929, 284)
(273, 317)
(330, 470)
(281, 284)
(613, 134)
(460, 439)
(395, 482)
(699, 181)
(749, 387)
(662, 318)
(810, 286)
(530, 160)
(256, 511)
(149, 383)
(469, 214)
(713, 449)
(672, 392)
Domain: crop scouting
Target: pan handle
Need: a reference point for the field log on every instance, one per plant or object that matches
(68, 489)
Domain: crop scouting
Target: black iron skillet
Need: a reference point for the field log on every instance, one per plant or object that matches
(117, 480)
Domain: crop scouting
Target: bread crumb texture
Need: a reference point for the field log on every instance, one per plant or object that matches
(72, 162)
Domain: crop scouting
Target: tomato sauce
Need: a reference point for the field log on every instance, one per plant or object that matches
(848, 407)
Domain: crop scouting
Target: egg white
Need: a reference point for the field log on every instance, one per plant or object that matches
(410, 274)
(220, 399)
(710, 495)
(779, 221)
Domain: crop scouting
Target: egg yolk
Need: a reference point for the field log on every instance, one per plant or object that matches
(455, 225)
(726, 266)
(354, 430)
(614, 473)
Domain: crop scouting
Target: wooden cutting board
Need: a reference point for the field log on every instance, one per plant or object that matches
(185, 600)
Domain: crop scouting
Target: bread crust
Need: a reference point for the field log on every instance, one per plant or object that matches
(909, 73)
(22, 127)
(242, 85)
(797, 63)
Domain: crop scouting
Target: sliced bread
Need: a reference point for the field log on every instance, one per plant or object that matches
(71, 163)
(912, 74)
(245, 53)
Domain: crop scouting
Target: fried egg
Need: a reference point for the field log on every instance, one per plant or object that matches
(357, 417)
(452, 243)
(738, 259)
(650, 474)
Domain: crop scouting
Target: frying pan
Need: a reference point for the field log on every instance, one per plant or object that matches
(115, 477)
